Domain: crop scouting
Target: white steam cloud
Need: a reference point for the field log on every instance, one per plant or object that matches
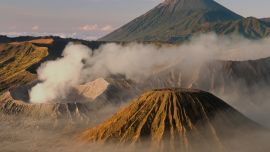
(137, 61)
(59, 76)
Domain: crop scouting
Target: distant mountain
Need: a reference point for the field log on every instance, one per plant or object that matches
(4, 39)
(177, 20)
(266, 19)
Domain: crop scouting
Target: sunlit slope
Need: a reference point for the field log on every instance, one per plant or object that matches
(15, 58)
(181, 118)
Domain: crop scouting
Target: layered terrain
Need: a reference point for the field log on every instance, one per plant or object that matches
(175, 119)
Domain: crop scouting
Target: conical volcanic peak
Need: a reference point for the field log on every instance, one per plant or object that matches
(194, 4)
(173, 20)
(176, 116)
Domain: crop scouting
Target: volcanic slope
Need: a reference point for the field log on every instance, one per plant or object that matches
(15, 58)
(173, 119)
(20, 57)
(54, 111)
(176, 20)
(214, 76)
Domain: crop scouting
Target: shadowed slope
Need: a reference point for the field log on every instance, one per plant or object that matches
(181, 119)
(266, 20)
(214, 76)
(248, 27)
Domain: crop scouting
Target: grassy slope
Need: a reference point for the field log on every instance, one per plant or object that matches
(15, 58)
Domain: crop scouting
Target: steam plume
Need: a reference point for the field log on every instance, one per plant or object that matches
(59, 76)
(137, 61)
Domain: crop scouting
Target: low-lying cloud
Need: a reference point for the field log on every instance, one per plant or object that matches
(137, 61)
(96, 28)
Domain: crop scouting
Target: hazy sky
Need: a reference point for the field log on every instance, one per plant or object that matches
(91, 19)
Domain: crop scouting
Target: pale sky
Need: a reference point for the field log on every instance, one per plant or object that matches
(90, 19)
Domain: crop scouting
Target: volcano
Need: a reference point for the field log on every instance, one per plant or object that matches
(78, 105)
(178, 20)
(180, 118)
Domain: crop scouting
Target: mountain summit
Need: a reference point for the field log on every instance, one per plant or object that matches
(194, 5)
(177, 20)
(172, 17)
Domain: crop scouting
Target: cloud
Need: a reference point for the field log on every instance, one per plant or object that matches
(76, 35)
(35, 28)
(107, 28)
(85, 32)
(11, 34)
(89, 27)
(96, 28)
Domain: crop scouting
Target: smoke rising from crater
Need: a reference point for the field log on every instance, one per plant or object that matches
(59, 76)
(137, 61)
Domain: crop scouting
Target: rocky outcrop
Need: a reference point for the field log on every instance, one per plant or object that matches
(70, 111)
